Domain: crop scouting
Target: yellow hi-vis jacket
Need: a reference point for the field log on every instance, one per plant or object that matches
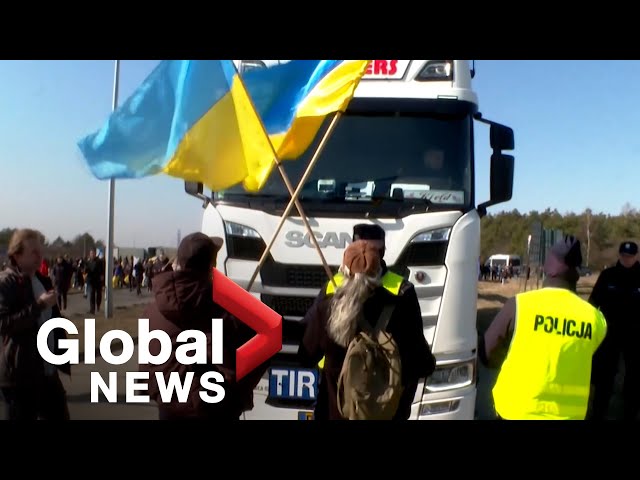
(547, 372)
(390, 281)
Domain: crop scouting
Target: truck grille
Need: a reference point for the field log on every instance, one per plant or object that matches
(288, 306)
(276, 274)
(292, 330)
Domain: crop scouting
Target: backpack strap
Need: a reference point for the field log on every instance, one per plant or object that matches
(381, 324)
(364, 325)
(385, 316)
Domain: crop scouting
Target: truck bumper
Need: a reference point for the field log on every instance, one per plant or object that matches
(449, 405)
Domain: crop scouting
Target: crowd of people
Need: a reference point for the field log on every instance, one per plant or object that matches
(340, 326)
(88, 275)
(557, 353)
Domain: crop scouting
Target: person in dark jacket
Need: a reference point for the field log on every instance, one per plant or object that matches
(332, 322)
(617, 294)
(184, 301)
(161, 263)
(95, 270)
(62, 279)
(31, 387)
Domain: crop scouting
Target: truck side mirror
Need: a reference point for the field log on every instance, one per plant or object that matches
(501, 182)
(196, 189)
(193, 188)
(501, 137)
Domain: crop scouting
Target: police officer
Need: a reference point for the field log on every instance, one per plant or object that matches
(549, 337)
(617, 294)
(375, 235)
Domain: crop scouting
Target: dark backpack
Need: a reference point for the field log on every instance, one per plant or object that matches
(369, 385)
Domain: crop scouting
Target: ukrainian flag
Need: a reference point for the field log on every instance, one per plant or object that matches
(190, 119)
(294, 98)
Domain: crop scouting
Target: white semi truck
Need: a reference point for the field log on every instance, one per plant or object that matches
(401, 156)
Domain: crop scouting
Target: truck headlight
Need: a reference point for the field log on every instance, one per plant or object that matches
(436, 70)
(243, 243)
(437, 408)
(451, 376)
(237, 230)
(437, 235)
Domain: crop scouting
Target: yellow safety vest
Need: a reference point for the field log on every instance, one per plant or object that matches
(547, 372)
(390, 281)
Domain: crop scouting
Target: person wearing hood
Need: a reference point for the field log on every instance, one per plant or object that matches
(617, 294)
(183, 301)
(545, 340)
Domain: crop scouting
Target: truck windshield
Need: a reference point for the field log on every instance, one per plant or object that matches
(409, 157)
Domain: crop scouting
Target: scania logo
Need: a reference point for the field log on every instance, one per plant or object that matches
(298, 239)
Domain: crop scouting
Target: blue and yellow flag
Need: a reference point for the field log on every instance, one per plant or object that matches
(190, 119)
(294, 98)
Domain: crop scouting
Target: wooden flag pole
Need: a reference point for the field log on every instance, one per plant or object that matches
(294, 196)
(293, 200)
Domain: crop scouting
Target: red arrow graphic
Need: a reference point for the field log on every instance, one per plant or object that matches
(266, 322)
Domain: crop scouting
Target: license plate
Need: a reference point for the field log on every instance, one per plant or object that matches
(305, 415)
(293, 383)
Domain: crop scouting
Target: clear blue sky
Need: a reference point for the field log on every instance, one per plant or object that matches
(575, 145)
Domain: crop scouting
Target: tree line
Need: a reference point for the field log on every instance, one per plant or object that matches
(599, 233)
(79, 246)
(504, 232)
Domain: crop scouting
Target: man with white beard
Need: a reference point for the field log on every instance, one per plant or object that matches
(333, 321)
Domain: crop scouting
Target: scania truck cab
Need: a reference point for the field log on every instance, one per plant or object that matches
(400, 156)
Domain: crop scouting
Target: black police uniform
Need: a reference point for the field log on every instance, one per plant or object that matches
(617, 294)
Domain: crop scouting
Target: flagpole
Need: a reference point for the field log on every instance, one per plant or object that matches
(108, 274)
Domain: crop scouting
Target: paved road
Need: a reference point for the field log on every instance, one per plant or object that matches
(122, 298)
(79, 394)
